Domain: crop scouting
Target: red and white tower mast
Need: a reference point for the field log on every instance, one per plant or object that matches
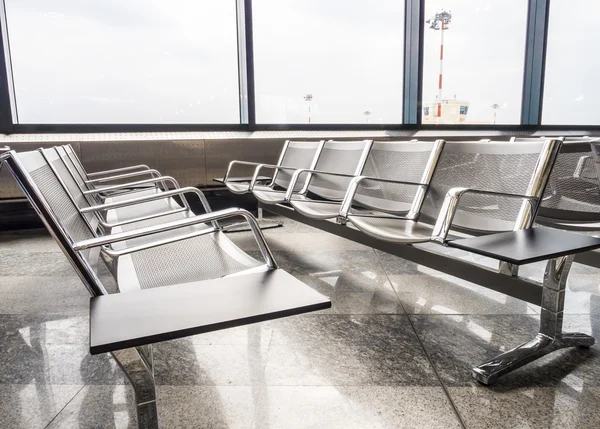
(440, 22)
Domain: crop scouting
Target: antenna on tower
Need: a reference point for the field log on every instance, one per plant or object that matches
(440, 21)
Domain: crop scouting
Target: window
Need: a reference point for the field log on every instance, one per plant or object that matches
(483, 60)
(571, 89)
(124, 61)
(328, 61)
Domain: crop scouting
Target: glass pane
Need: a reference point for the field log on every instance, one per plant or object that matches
(124, 61)
(340, 60)
(572, 63)
(483, 60)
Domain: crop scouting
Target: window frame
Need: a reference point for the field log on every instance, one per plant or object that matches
(531, 107)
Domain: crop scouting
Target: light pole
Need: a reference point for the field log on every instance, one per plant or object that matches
(308, 98)
(495, 107)
(367, 113)
(440, 22)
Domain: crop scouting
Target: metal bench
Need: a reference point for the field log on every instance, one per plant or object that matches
(379, 186)
(481, 190)
(497, 182)
(294, 154)
(177, 278)
(335, 157)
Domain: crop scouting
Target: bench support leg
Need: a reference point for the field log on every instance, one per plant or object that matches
(138, 366)
(550, 336)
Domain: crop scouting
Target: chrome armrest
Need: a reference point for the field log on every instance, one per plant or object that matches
(290, 190)
(118, 170)
(271, 166)
(134, 184)
(233, 163)
(153, 173)
(580, 166)
(450, 205)
(176, 224)
(353, 187)
(147, 198)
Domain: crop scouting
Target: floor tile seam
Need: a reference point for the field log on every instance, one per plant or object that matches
(34, 252)
(474, 314)
(63, 408)
(435, 371)
(264, 369)
(265, 385)
(441, 383)
(389, 281)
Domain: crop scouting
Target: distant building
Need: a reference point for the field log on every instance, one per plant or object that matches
(452, 112)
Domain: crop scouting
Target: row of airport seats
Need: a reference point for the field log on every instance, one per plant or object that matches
(156, 270)
(394, 191)
(409, 197)
(174, 273)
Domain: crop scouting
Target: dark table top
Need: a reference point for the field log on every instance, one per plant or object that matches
(241, 179)
(528, 245)
(124, 320)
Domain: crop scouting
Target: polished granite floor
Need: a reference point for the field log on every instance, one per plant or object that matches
(394, 351)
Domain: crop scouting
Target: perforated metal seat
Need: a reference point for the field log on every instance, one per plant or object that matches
(572, 198)
(499, 185)
(407, 161)
(239, 188)
(393, 229)
(145, 268)
(343, 158)
(294, 155)
(84, 198)
(100, 181)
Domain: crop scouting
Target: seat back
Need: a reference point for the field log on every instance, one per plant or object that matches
(406, 161)
(296, 155)
(70, 182)
(505, 167)
(73, 168)
(57, 211)
(72, 160)
(596, 158)
(573, 192)
(338, 157)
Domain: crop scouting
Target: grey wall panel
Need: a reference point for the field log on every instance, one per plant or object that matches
(8, 186)
(220, 152)
(182, 159)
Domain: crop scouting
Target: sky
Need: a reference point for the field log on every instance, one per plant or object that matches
(176, 61)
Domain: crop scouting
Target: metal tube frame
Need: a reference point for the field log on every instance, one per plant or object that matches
(100, 216)
(118, 170)
(176, 224)
(75, 164)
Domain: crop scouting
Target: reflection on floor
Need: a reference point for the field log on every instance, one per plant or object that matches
(393, 352)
